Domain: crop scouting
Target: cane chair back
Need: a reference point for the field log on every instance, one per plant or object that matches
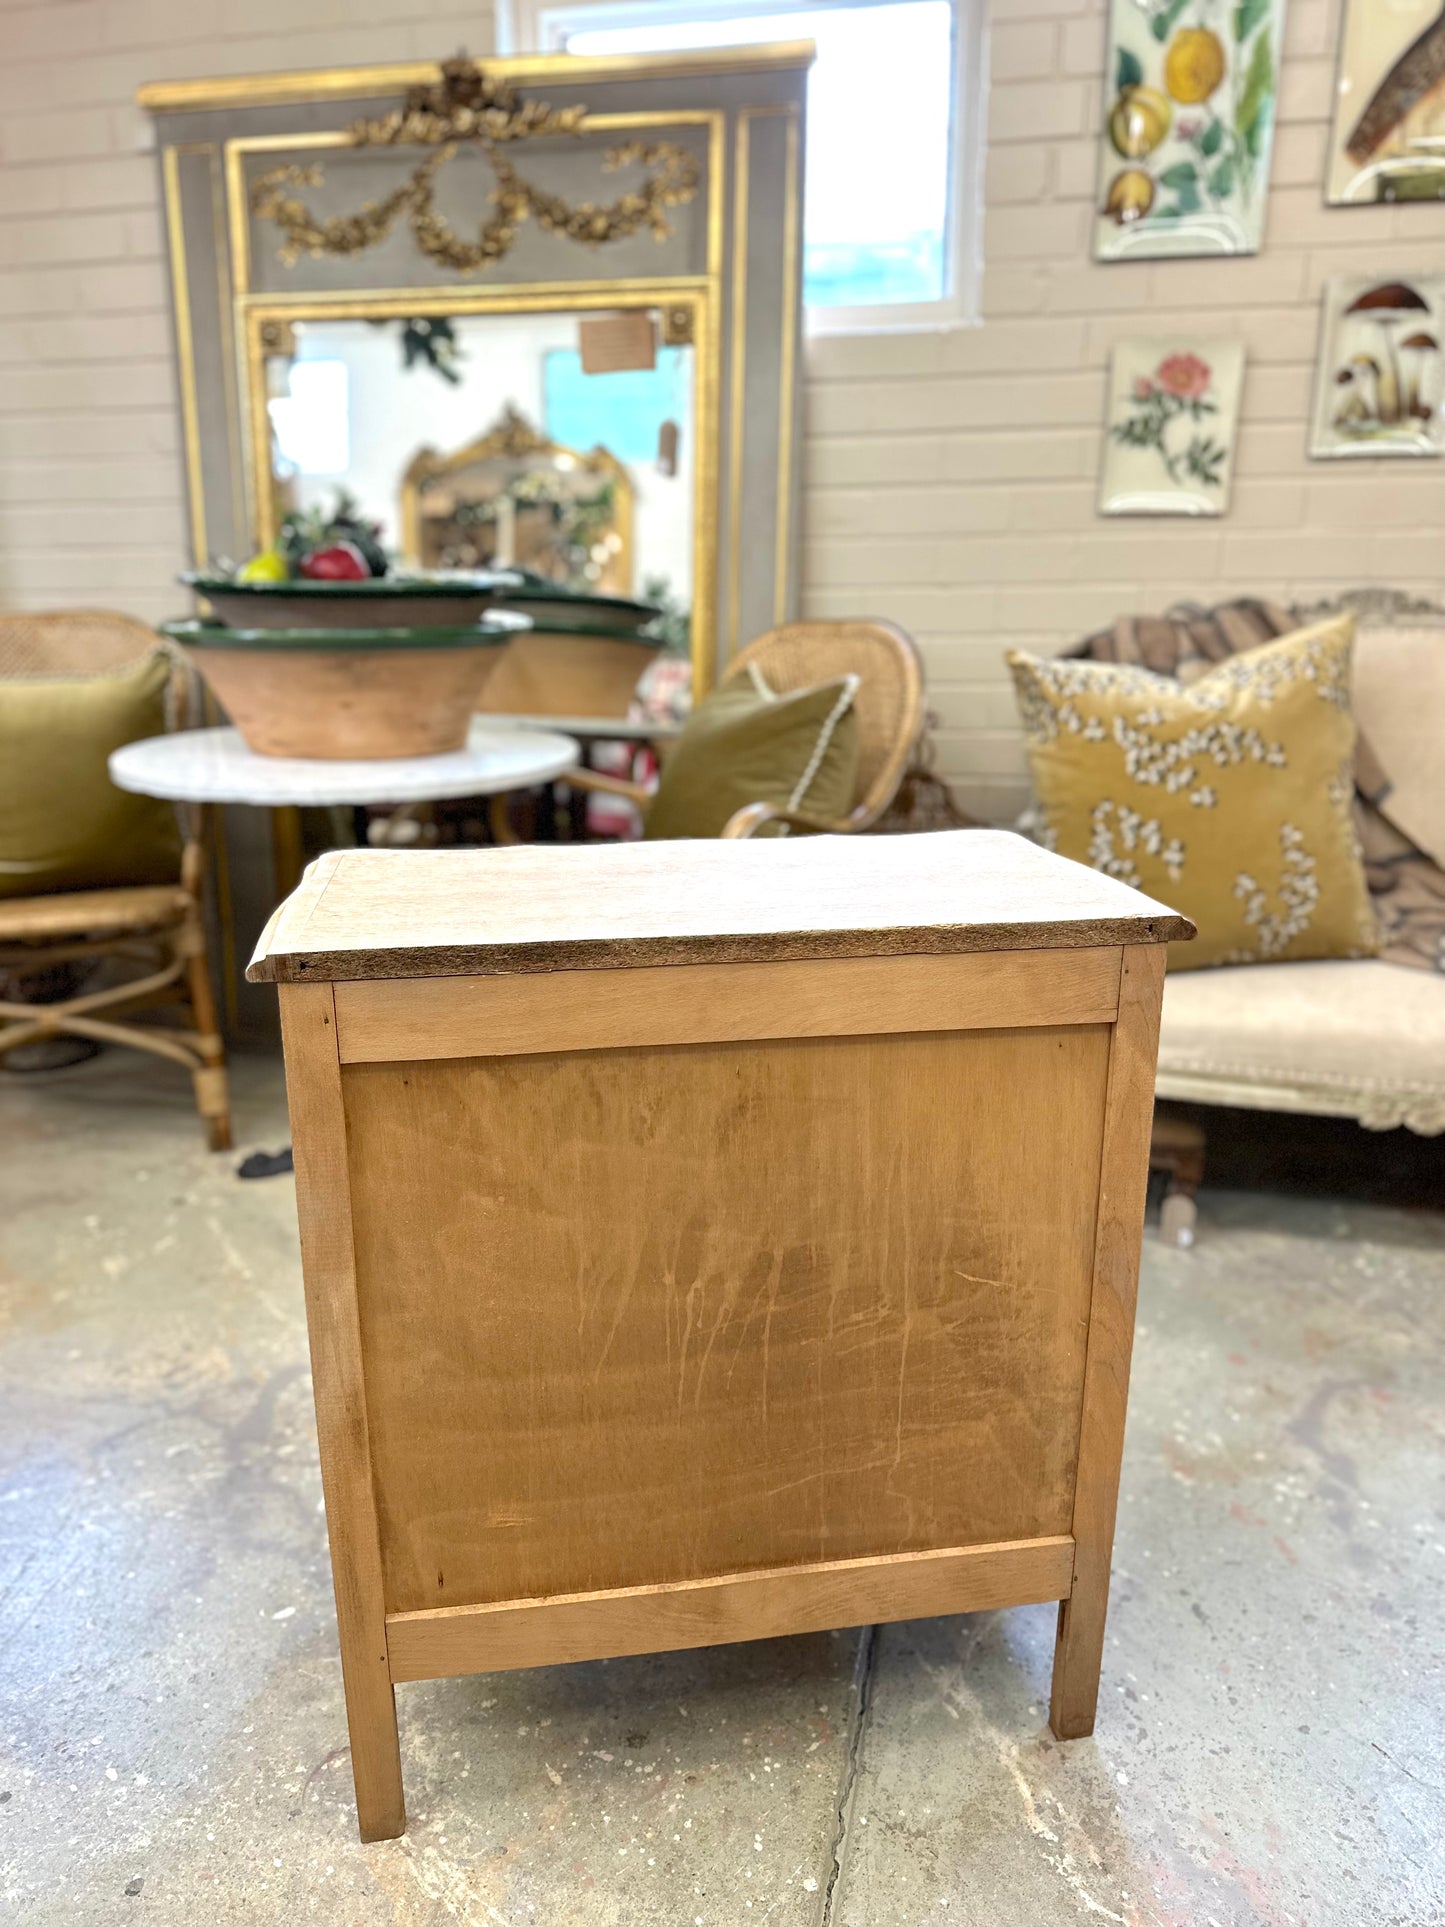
(70, 642)
(888, 705)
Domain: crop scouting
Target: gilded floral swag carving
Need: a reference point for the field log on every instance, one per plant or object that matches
(469, 107)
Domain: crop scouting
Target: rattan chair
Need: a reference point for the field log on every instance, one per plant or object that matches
(158, 927)
(889, 707)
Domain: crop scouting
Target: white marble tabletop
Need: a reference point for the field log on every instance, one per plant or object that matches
(215, 766)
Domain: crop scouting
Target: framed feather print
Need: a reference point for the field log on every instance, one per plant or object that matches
(1387, 142)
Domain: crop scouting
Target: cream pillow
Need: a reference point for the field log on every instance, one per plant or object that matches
(1229, 799)
(1399, 696)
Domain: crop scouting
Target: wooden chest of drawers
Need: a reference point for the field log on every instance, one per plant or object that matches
(709, 1241)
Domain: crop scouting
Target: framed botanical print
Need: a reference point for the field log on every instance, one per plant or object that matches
(1172, 421)
(1189, 126)
(1380, 379)
(1387, 142)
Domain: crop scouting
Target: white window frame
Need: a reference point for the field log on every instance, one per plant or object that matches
(542, 26)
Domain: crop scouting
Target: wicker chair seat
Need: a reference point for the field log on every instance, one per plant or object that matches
(93, 913)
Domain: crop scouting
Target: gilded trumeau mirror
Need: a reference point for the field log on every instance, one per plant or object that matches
(325, 227)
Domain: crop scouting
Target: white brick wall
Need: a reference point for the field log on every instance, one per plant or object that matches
(950, 477)
(91, 491)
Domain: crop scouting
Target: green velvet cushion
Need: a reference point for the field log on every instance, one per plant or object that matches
(63, 823)
(742, 745)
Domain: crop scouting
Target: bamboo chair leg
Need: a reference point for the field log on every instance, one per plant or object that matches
(499, 818)
(213, 1099)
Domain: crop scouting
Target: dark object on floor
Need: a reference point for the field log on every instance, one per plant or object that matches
(50, 1054)
(1318, 1157)
(265, 1164)
(47, 986)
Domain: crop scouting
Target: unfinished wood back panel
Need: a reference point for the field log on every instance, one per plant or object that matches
(642, 1315)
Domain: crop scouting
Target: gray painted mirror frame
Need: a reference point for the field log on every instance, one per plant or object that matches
(727, 276)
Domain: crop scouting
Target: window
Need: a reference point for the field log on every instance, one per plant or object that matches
(310, 420)
(890, 220)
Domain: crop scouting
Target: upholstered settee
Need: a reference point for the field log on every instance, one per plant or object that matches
(1360, 1038)
(1357, 1038)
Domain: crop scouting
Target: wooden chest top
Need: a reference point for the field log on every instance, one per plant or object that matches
(433, 913)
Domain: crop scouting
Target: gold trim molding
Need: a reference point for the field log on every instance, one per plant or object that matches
(363, 83)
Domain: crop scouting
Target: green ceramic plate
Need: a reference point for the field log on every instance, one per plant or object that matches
(411, 601)
(497, 627)
(373, 587)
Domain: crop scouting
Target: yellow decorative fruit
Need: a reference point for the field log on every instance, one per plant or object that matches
(1138, 122)
(1194, 65)
(1131, 195)
(268, 566)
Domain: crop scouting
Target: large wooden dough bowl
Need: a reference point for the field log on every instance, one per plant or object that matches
(710, 1241)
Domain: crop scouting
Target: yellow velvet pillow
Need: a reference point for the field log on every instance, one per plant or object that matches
(1230, 799)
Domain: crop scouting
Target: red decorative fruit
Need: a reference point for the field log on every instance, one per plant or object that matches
(341, 562)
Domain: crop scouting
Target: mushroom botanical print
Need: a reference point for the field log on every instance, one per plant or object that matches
(1388, 138)
(1173, 411)
(1380, 388)
(1188, 126)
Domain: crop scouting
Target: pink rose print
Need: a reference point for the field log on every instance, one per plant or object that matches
(1143, 388)
(1185, 376)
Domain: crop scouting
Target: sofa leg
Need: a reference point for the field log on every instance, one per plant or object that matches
(1178, 1216)
(1177, 1146)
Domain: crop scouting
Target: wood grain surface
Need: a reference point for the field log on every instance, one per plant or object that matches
(710, 1612)
(656, 1315)
(313, 1090)
(449, 913)
(1123, 1179)
(401, 1018)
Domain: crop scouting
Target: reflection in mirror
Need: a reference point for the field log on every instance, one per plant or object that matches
(484, 440)
(515, 499)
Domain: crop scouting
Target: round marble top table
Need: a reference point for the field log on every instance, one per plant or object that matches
(215, 766)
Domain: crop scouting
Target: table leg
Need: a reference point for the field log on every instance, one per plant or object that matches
(287, 855)
(1119, 1229)
(313, 1071)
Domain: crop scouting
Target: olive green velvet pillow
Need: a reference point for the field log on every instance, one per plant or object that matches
(744, 745)
(63, 823)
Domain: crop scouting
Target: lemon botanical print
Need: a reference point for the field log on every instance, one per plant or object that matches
(1188, 126)
(1230, 798)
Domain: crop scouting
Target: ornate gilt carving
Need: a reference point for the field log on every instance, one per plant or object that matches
(468, 106)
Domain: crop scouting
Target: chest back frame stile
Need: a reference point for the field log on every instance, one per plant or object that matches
(713, 1241)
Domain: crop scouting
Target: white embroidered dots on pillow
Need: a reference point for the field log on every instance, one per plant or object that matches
(1230, 799)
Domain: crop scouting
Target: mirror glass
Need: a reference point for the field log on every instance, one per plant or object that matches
(562, 443)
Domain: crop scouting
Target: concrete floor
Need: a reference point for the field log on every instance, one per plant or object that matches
(1271, 1744)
